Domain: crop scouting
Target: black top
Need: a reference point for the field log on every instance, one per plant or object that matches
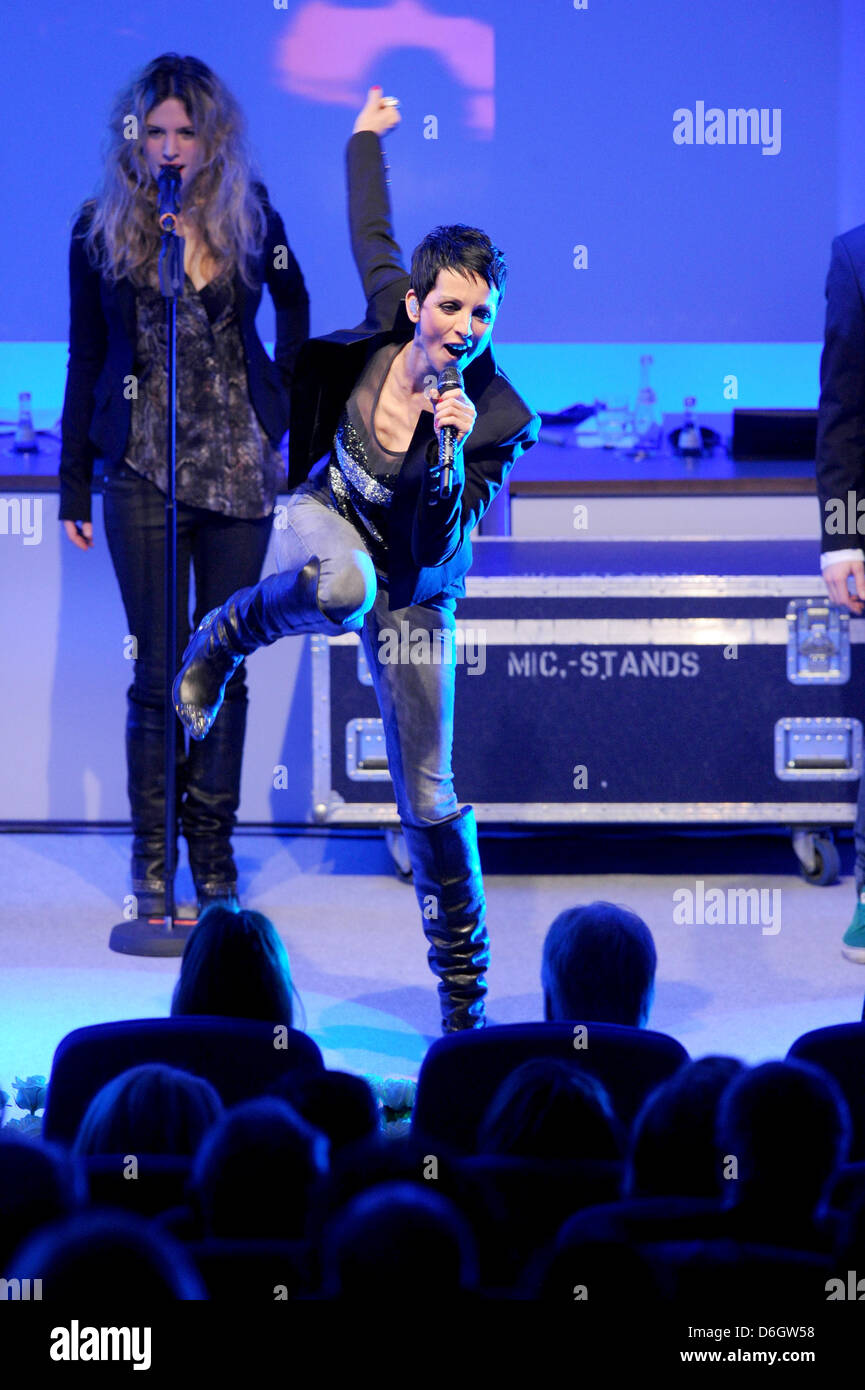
(102, 337)
(362, 473)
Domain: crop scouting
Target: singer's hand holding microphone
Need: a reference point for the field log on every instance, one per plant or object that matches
(453, 421)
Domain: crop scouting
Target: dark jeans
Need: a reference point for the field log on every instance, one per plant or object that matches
(224, 552)
(416, 697)
(859, 837)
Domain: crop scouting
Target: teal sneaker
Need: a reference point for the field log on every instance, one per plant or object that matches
(853, 941)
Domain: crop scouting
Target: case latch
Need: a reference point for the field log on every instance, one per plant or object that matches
(818, 642)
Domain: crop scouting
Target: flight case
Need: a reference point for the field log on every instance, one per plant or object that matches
(687, 682)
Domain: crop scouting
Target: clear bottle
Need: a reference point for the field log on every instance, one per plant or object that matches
(690, 443)
(25, 435)
(647, 426)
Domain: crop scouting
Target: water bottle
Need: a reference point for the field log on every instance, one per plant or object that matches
(647, 426)
(690, 444)
(25, 435)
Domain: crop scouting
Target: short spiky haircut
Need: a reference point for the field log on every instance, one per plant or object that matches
(466, 250)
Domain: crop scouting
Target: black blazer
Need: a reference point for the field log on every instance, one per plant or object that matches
(96, 413)
(841, 418)
(429, 547)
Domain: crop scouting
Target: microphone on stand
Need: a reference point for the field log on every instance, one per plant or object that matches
(168, 184)
(450, 379)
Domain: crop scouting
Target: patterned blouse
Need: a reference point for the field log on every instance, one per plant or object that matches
(225, 461)
(361, 472)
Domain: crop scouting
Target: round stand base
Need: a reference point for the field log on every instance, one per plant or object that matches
(150, 936)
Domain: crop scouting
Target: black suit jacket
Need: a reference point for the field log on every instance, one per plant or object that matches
(429, 547)
(841, 418)
(96, 412)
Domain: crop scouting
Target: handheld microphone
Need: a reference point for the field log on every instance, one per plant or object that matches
(450, 379)
(169, 203)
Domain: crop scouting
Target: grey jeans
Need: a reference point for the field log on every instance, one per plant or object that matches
(410, 651)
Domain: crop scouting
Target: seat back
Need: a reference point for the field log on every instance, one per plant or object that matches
(518, 1204)
(840, 1051)
(240, 1057)
(155, 1184)
(462, 1071)
(255, 1271)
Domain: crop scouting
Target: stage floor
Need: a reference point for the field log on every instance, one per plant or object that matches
(359, 958)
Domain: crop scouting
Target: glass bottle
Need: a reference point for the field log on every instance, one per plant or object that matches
(25, 435)
(647, 426)
(690, 439)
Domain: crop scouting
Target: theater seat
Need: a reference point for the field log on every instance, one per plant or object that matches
(255, 1271)
(238, 1056)
(462, 1071)
(840, 1051)
(159, 1182)
(517, 1205)
(649, 1220)
(724, 1274)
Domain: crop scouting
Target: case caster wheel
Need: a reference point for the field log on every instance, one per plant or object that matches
(818, 856)
(395, 841)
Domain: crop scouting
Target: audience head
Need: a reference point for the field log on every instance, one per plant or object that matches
(338, 1104)
(234, 965)
(673, 1150)
(149, 1109)
(38, 1184)
(259, 1172)
(107, 1254)
(787, 1126)
(397, 1242)
(599, 966)
(549, 1109)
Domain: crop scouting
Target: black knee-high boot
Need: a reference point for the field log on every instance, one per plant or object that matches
(209, 812)
(145, 763)
(282, 604)
(450, 893)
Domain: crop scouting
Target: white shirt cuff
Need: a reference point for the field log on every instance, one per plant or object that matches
(834, 557)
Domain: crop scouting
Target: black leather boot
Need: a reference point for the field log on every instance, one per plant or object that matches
(282, 604)
(450, 893)
(209, 812)
(145, 762)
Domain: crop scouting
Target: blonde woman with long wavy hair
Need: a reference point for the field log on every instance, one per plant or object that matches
(232, 411)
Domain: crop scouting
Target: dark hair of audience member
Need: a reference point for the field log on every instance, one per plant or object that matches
(549, 1109)
(151, 1109)
(259, 1173)
(339, 1105)
(398, 1242)
(39, 1183)
(786, 1127)
(598, 966)
(104, 1257)
(673, 1151)
(235, 966)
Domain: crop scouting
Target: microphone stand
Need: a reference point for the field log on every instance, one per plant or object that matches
(157, 936)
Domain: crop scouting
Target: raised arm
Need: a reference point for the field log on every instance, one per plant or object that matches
(376, 253)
